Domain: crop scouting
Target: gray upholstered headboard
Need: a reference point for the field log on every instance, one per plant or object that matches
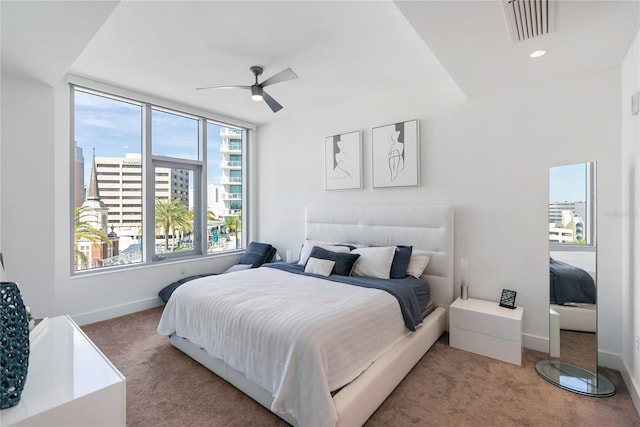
(426, 227)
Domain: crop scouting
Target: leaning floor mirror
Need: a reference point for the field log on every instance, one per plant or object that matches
(573, 283)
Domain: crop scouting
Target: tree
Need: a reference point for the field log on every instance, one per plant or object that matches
(84, 230)
(230, 223)
(172, 215)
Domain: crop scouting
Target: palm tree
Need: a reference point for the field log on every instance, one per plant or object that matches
(183, 227)
(170, 216)
(84, 230)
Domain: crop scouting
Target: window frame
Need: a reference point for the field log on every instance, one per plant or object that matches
(150, 162)
(149, 233)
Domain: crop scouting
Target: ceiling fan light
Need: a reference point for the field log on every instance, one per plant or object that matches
(256, 93)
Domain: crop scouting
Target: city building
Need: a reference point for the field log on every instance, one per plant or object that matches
(556, 209)
(119, 181)
(569, 229)
(231, 165)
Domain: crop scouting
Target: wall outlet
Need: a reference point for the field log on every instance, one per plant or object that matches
(183, 271)
(638, 342)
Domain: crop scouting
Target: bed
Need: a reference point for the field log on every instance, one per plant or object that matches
(335, 397)
(572, 289)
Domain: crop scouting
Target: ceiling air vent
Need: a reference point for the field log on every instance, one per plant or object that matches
(528, 19)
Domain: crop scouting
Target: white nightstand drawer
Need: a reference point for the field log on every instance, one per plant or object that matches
(498, 348)
(487, 318)
(486, 324)
(485, 328)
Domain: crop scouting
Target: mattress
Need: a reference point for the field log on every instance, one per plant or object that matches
(298, 337)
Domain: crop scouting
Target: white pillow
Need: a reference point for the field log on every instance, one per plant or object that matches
(309, 244)
(322, 267)
(418, 263)
(374, 261)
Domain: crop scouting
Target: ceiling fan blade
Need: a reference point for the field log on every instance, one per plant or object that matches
(272, 103)
(224, 87)
(282, 76)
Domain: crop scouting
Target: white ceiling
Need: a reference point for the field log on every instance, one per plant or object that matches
(340, 50)
(471, 40)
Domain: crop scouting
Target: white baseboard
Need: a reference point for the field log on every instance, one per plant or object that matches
(611, 360)
(632, 386)
(536, 343)
(116, 311)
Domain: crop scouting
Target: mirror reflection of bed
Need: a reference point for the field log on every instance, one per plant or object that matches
(573, 306)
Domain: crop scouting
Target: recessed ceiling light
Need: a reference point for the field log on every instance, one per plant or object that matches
(537, 53)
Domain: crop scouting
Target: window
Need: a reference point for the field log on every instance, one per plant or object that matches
(158, 189)
(572, 205)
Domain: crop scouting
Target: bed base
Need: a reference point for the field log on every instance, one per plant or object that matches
(358, 400)
(574, 318)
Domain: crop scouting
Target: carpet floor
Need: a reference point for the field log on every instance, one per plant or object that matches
(448, 387)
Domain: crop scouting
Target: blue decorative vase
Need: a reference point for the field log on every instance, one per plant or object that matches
(14, 344)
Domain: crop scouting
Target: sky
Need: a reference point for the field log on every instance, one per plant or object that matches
(567, 183)
(114, 128)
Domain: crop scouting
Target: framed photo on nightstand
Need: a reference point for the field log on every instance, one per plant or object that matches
(508, 299)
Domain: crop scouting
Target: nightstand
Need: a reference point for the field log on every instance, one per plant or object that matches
(485, 328)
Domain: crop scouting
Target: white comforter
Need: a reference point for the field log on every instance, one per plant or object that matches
(297, 336)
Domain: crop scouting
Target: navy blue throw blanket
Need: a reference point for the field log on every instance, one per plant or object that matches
(412, 294)
(570, 284)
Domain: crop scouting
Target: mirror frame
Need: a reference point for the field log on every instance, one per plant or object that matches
(567, 375)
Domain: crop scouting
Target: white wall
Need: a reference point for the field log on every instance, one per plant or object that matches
(489, 157)
(630, 83)
(27, 187)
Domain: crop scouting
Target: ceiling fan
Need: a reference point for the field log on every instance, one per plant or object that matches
(257, 89)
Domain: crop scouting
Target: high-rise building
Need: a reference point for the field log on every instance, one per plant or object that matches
(231, 165)
(120, 185)
(79, 190)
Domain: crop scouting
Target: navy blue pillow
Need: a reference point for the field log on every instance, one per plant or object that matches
(253, 258)
(400, 262)
(344, 261)
(257, 254)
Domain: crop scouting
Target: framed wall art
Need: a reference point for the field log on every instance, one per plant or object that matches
(343, 161)
(395, 152)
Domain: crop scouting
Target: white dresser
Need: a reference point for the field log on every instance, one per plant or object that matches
(485, 328)
(69, 382)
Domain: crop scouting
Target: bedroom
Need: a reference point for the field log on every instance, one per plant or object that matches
(484, 153)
